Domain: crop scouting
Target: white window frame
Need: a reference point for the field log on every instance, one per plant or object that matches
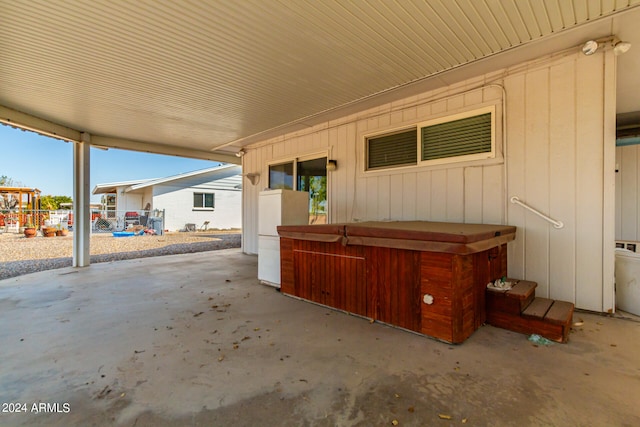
(493, 156)
(387, 132)
(464, 158)
(203, 208)
(295, 160)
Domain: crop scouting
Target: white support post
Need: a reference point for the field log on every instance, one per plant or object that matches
(81, 195)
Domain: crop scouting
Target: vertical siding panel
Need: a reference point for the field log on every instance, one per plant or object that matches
(589, 183)
(562, 167)
(409, 114)
(492, 195)
(353, 166)
(455, 103)
(372, 199)
(423, 195)
(247, 212)
(341, 182)
(396, 118)
(360, 209)
(537, 177)
(438, 108)
(253, 161)
(629, 196)
(423, 112)
(516, 171)
(439, 195)
(409, 196)
(396, 199)
(303, 144)
(278, 149)
(473, 195)
(383, 198)
(473, 98)
(320, 140)
(455, 195)
(608, 181)
(338, 175)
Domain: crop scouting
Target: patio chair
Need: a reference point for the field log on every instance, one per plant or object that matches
(204, 226)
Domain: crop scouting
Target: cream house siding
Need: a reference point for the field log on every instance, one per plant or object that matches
(177, 203)
(558, 146)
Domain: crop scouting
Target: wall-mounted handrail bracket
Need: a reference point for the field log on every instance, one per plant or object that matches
(556, 224)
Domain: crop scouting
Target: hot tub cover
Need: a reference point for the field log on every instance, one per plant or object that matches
(415, 235)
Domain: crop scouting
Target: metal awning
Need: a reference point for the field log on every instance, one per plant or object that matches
(204, 78)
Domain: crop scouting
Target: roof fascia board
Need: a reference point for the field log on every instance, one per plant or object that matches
(218, 169)
(126, 144)
(25, 121)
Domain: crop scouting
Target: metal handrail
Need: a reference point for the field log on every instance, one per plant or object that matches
(556, 224)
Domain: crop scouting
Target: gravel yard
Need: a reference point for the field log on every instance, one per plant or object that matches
(19, 255)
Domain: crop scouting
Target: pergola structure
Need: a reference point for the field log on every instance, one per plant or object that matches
(20, 205)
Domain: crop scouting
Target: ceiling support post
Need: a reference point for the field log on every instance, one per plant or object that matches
(81, 195)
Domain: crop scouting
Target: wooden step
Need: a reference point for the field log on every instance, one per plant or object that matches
(513, 300)
(560, 313)
(522, 290)
(538, 308)
(548, 318)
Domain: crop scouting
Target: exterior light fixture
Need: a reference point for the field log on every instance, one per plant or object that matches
(254, 178)
(240, 153)
(590, 47)
(619, 47)
(332, 165)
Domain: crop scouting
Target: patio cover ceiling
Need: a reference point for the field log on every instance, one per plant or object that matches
(204, 78)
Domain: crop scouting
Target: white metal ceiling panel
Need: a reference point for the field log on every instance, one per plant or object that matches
(204, 75)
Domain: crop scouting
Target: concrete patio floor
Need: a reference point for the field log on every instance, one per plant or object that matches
(194, 340)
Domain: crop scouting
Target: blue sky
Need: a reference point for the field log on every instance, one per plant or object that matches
(47, 164)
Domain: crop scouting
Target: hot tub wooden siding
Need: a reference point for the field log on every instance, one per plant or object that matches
(327, 265)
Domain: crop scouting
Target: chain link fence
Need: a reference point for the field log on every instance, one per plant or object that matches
(102, 221)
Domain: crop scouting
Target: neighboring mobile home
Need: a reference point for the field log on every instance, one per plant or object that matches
(211, 196)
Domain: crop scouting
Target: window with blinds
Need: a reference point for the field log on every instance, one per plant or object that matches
(392, 150)
(462, 137)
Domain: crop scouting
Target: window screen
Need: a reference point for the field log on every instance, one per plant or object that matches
(471, 135)
(396, 149)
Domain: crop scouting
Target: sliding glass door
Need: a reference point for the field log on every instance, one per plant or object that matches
(304, 175)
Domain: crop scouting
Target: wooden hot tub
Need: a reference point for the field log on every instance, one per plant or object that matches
(428, 277)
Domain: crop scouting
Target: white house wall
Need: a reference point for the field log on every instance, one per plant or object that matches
(177, 203)
(128, 201)
(559, 148)
(147, 198)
